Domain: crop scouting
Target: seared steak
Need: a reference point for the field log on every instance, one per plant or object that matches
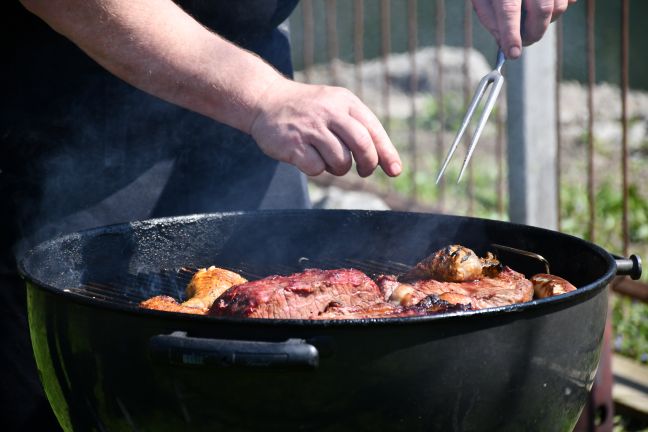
(428, 306)
(302, 295)
(507, 287)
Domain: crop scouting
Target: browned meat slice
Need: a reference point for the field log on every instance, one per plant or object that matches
(506, 288)
(377, 310)
(302, 295)
(428, 306)
(454, 263)
(169, 304)
(546, 285)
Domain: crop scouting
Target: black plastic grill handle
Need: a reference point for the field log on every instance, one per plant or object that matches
(179, 349)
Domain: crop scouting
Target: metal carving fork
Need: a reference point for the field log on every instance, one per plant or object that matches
(495, 79)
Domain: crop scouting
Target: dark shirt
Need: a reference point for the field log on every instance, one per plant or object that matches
(80, 148)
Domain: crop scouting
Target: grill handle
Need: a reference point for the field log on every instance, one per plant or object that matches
(628, 266)
(179, 349)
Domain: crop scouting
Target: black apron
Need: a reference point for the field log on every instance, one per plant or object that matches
(80, 148)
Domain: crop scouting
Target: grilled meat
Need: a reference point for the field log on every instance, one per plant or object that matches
(546, 285)
(452, 279)
(428, 306)
(206, 285)
(506, 288)
(169, 304)
(454, 263)
(302, 295)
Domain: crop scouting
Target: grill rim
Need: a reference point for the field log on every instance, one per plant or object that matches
(549, 304)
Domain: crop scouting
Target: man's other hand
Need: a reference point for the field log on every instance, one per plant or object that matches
(502, 18)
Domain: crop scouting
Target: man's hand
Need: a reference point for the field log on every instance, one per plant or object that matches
(503, 18)
(319, 128)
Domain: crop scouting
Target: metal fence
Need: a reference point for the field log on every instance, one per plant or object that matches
(330, 42)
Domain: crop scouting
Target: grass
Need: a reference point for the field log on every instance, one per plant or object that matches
(630, 325)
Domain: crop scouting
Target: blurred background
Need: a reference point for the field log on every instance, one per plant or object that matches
(416, 64)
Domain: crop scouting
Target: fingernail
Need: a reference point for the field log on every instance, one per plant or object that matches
(395, 168)
(515, 52)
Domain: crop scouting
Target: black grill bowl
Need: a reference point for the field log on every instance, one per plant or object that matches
(108, 365)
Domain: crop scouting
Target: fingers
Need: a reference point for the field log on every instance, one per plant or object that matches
(538, 18)
(508, 14)
(359, 134)
(388, 157)
(332, 150)
(502, 18)
(358, 140)
(486, 14)
(560, 6)
(308, 160)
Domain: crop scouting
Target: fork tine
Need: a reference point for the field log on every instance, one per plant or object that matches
(479, 93)
(488, 107)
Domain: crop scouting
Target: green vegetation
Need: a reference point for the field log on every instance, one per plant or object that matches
(627, 424)
(574, 207)
(630, 324)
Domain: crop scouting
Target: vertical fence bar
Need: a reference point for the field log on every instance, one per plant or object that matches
(440, 41)
(412, 36)
(591, 80)
(559, 67)
(358, 44)
(468, 36)
(385, 48)
(308, 41)
(332, 40)
(625, 45)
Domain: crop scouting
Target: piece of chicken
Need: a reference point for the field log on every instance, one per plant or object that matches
(454, 263)
(546, 285)
(169, 304)
(206, 285)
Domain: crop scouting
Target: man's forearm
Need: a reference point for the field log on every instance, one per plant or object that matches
(157, 47)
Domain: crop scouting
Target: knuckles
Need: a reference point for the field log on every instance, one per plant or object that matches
(560, 8)
(545, 10)
(510, 8)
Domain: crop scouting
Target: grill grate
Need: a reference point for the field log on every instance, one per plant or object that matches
(131, 289)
